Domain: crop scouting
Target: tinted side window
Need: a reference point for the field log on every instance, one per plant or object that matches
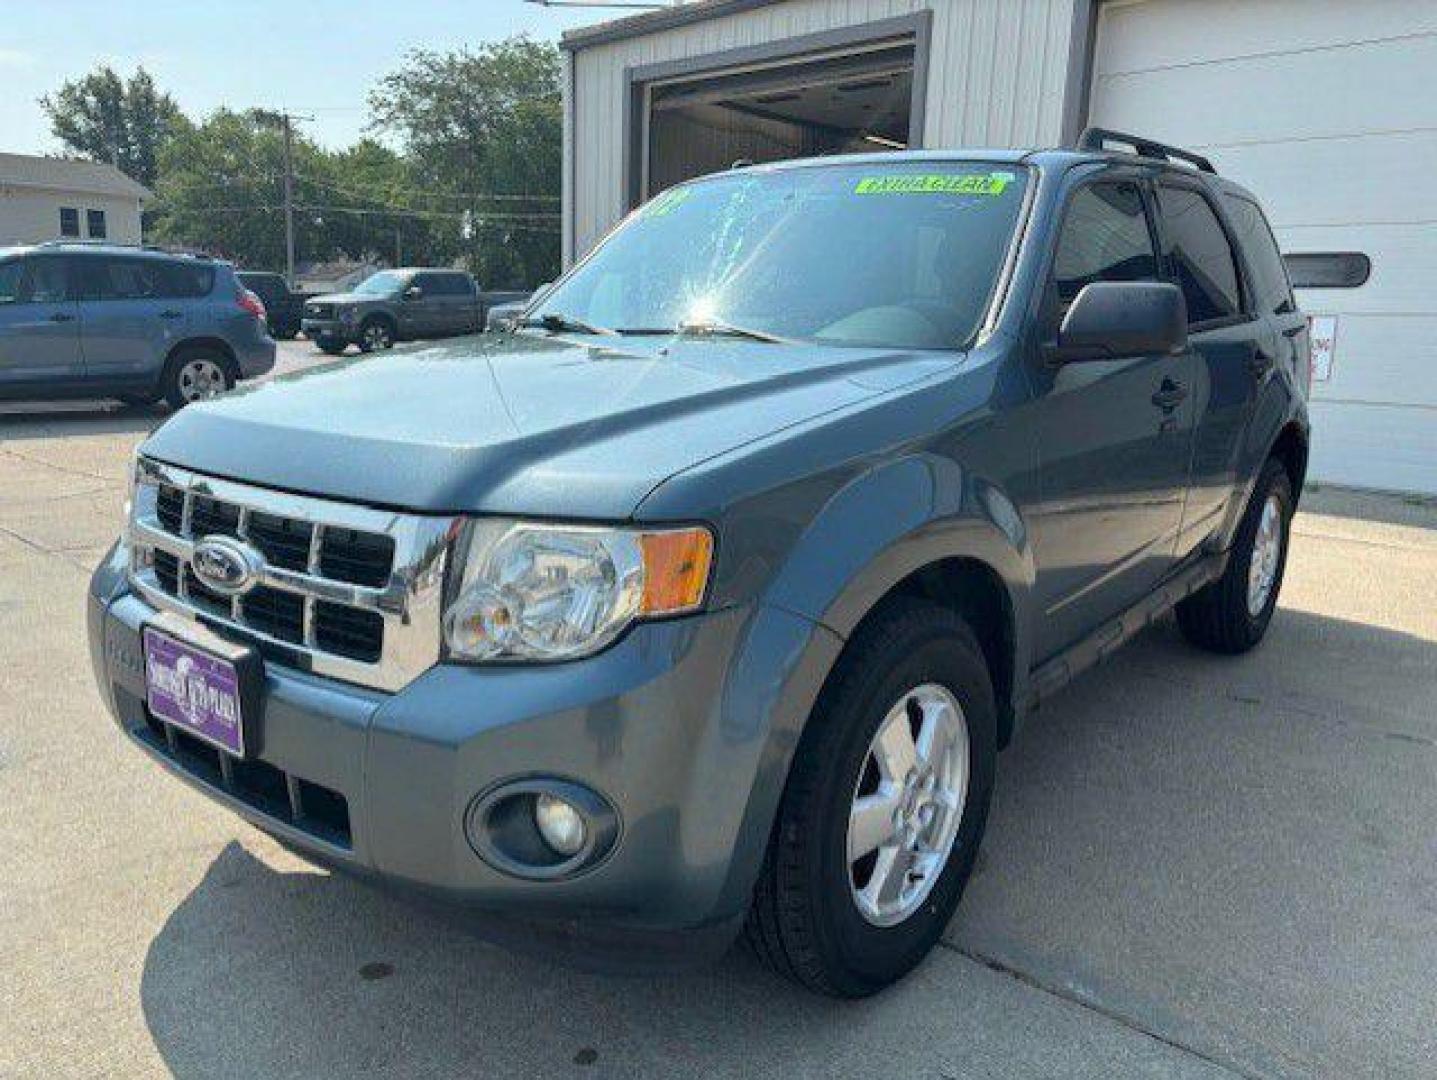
(1271, 292)
(1200, 255)
(1105, 237)
(46, 281)
(122, 279)
(11, 274)
(185, 280)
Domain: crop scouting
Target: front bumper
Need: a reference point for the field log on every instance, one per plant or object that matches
(683, 726)
(332, 329)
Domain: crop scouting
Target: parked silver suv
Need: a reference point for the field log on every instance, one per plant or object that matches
(82, 320)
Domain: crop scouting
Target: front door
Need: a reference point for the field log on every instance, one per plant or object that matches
(1114, 436)
(39, 325)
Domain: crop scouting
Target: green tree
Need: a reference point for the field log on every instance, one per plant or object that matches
(105, 118)
(482, 130)
(220, 188)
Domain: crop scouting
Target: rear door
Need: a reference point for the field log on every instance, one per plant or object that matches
(1114, 436)
(1233, 347)
(130, 316)
(434, 307)
(39, 324)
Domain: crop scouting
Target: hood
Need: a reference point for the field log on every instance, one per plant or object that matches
(522, 424)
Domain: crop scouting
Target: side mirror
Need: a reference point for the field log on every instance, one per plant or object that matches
(1111, 320)
(414, 292)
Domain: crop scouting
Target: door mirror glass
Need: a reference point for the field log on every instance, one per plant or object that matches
(414, 292)
(1110, 320)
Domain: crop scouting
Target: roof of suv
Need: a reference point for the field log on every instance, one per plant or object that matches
(81, 247)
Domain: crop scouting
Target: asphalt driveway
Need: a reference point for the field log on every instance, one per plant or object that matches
(1195, 867)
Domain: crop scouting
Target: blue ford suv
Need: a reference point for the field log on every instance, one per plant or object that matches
(706, 599)
(80, 320)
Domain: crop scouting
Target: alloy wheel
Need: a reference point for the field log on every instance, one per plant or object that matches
(1266, 556)
(908, 804)
(201, 379)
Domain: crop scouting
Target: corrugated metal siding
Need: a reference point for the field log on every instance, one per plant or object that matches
(997, 70)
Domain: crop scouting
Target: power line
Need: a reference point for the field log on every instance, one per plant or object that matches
(423, 193)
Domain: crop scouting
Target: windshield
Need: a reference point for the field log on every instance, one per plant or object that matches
(384, 283)
(888, 254)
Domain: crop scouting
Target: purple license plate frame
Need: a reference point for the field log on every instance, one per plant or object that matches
(196, 691)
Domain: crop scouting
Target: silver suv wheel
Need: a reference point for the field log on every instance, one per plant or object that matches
(200, 379)
(1266, 556)
(908, 804)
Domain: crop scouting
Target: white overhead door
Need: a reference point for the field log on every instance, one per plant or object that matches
(1327, 110)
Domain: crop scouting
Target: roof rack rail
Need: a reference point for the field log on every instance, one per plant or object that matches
(1096, 138)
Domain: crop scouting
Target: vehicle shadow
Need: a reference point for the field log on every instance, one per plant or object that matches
(1141, 859)
(33, 420)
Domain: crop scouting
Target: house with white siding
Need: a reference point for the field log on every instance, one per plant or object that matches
(1326, 109)
(45, 198)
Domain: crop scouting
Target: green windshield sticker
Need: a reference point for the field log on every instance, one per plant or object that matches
(668, 202)
(993, 183)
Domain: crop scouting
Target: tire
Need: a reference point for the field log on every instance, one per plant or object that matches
(331, 346)
(808, 920)
(375, 334)
(196, 374)
(1232, 614)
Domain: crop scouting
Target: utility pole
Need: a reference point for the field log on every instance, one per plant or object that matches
(286, 121)
(288, 200)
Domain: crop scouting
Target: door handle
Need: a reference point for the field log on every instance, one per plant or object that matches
(171, 314)
(60, 316)
(1260, 362)
(1169, 396)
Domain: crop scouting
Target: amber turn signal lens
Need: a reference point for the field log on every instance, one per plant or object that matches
(676, 570)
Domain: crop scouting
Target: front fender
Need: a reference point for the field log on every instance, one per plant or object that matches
(878, 530)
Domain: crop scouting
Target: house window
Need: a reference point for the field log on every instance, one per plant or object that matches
(95, 224)
(69, 221)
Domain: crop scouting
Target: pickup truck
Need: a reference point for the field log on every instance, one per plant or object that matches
(284, 308)
(702, 604)
(397, 305)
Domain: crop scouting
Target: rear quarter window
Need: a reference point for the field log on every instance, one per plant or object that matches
(186, 280)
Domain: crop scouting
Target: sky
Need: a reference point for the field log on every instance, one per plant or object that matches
(318, 57)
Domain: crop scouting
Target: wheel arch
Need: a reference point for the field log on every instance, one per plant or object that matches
(1291, 448)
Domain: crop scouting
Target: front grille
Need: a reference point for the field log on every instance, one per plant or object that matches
(353, 591)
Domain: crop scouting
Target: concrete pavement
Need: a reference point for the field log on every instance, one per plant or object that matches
(1195, 867)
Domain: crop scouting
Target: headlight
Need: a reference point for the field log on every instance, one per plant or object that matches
(534, 591)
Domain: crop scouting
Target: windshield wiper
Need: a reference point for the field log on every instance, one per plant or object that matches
(719, 328)
(561, 324)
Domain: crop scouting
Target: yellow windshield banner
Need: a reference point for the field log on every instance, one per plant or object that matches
(935, 184)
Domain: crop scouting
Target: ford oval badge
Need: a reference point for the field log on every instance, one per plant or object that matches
(226, 566)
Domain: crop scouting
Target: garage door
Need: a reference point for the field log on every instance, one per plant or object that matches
(1328, 111)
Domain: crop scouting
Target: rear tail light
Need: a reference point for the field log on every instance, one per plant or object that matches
(251, 303)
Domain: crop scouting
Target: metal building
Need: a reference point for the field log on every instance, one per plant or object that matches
(1326, 108)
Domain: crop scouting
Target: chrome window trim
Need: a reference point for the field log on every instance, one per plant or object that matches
(410, 602)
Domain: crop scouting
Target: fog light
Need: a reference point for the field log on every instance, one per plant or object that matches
(561, 826)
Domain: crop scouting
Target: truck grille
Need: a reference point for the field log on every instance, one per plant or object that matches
(348, 591)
